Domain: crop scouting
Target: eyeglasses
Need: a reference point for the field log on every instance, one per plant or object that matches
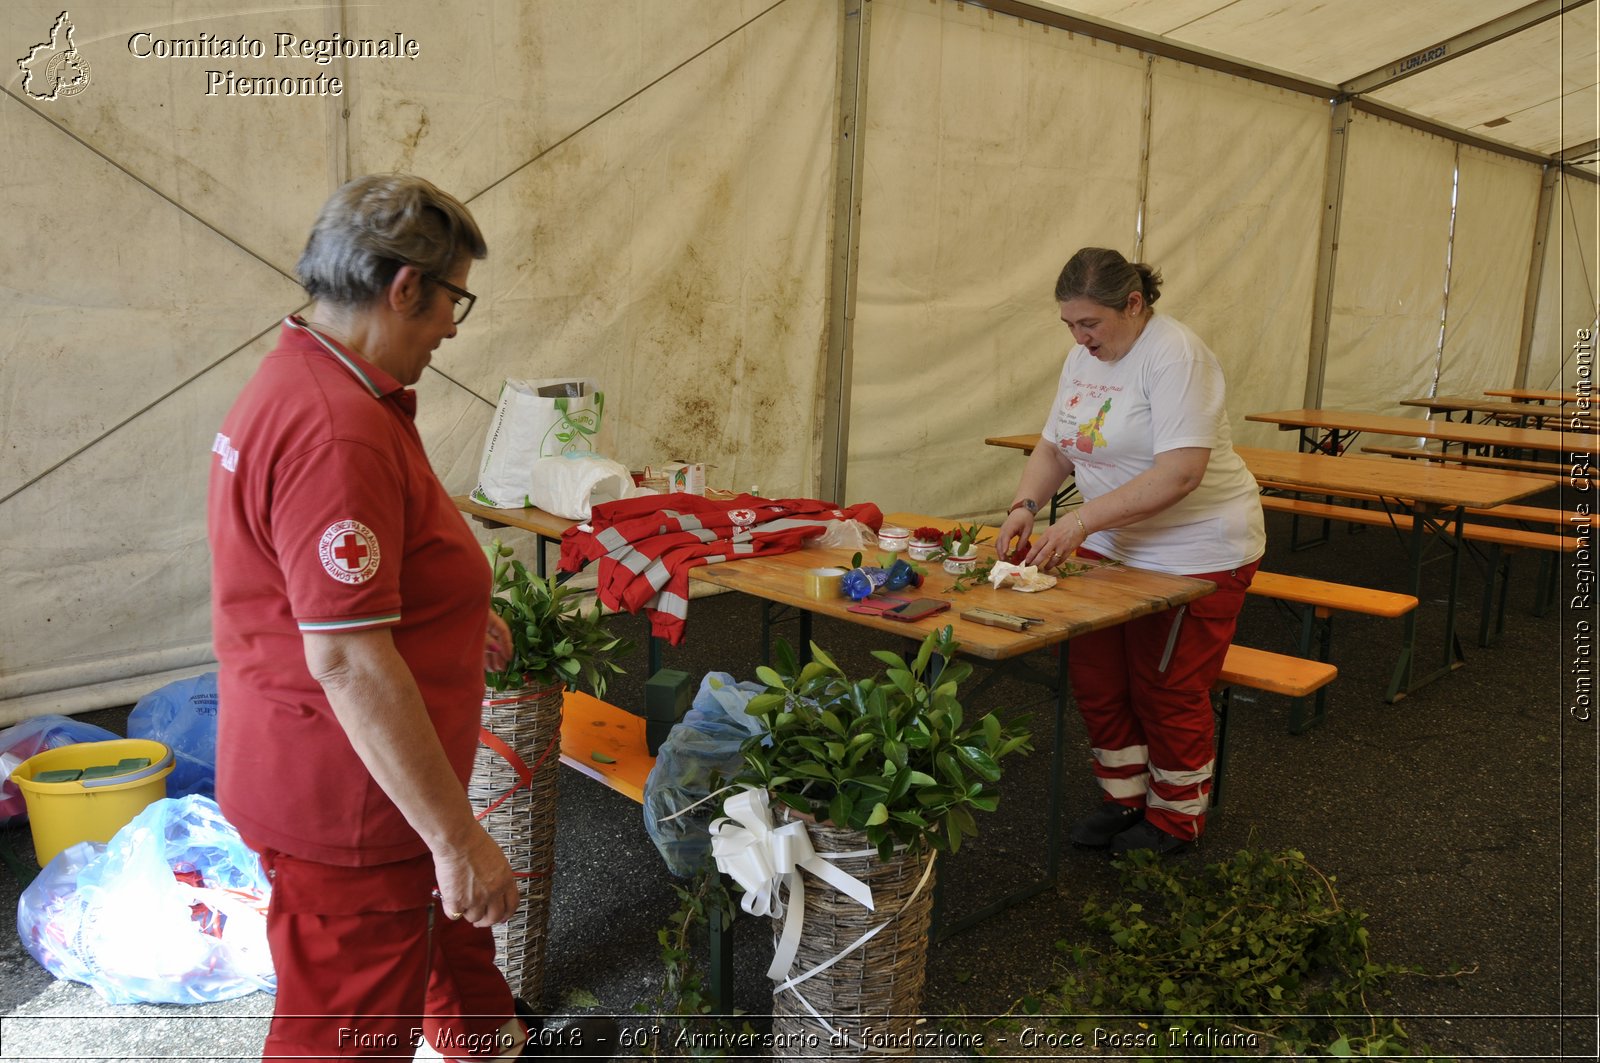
(461, 310)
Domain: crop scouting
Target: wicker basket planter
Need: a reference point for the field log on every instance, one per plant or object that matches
(879, 984)
(515, 797)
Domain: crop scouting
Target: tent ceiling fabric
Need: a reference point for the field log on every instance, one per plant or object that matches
(1542, 78)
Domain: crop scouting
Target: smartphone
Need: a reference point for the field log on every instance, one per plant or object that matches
(879, 604)
(916, 609)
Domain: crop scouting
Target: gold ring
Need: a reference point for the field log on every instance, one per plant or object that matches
(455, 915)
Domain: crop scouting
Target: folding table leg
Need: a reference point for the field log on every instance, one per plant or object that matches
(721, 974)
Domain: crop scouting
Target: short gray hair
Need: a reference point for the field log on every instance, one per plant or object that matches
(375, 224)
(1103, 276)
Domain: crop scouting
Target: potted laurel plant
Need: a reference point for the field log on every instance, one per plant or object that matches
(888, 768)
(555, 644)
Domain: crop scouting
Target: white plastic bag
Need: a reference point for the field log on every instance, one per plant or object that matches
(172, 910)
(535, 419)
(570, 485)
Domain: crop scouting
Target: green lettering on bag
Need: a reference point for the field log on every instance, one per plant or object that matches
(573, 429)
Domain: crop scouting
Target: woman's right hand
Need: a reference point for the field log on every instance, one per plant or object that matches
(476, 882)
(1015, 529)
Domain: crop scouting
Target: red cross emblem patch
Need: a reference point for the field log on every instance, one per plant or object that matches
(742, 518)
(349, 551)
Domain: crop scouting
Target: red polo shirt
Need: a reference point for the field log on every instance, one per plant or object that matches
(325, 516)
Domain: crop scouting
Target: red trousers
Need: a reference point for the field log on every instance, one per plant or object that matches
(1144, 691)
(368, 965)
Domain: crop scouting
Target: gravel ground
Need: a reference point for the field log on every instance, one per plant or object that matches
(1462, 820)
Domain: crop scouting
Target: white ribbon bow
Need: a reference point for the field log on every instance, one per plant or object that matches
(761, 859)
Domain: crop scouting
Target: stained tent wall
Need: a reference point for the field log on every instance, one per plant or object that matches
(658, 185)
(653, 180)
(997, 146)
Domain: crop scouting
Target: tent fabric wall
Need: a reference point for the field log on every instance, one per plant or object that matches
(1568, 294)
(1388, 291)
(672, 244)
(656, 183)
(1234, 209)
(994, 149)
(1497, 203)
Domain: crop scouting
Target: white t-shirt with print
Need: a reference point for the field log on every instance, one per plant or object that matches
(1110, 421)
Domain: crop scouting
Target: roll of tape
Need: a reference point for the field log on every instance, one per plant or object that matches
(822, 583)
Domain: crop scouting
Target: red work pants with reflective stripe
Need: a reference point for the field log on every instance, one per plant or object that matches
(1145, 696)
(368, 966)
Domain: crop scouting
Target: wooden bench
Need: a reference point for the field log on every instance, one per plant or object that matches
(1503, 542)
(1275, 673)
(1553, 471)
(1316, 601)
(590, 726)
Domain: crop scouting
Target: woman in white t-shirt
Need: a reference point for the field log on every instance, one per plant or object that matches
(1140, 420)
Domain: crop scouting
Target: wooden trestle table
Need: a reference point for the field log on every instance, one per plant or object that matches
(1332, 431)
(1437, 498)
(1100, 597)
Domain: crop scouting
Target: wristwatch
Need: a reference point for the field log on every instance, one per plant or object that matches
(1033, 507)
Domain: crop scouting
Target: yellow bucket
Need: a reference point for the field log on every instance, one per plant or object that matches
(92, 810)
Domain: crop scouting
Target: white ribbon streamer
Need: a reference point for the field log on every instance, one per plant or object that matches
(762, 860)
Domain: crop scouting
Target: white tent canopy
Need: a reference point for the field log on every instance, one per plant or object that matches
(810, 242)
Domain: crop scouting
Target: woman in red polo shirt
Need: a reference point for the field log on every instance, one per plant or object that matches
(350, 608)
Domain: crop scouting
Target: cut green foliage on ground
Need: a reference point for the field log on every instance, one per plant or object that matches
(1252, 955)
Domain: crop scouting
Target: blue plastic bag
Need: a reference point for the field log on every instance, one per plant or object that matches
(171, 911)
(706, 740)
(183, 716)
(19, 743)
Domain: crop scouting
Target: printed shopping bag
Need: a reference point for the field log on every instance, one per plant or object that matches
(535, 419)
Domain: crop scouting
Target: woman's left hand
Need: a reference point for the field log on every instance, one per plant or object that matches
(496, 644)
(1057, 543)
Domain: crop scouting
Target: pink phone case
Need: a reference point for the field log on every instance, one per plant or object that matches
(878, 604)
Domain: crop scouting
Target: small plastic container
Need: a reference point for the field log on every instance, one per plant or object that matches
(94, 806)
(960, 566)
(893, 538)
(924, 549)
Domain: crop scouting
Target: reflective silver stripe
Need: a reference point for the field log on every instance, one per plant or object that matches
(632, 560)
(1196, 807)
(671, 604)
(657, 574)
(687, 521)
(744, 548)
(1172, 639)
(1133, 787)
(705, 535)
(1121, 758)
(612, 540)
(1182, 778)
(785, 523)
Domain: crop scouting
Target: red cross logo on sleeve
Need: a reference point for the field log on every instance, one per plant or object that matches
(349, 551)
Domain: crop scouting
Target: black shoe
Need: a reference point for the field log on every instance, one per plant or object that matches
(587, 1037)
(1146, 835)
(1096, 830)
(594, 1036)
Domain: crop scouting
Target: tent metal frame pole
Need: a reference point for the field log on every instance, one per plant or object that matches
(336, 20)
(1144, 159)
(848, 156)
(1530, 299)
(1208, 60)
(1459, 45)
(1327, 251)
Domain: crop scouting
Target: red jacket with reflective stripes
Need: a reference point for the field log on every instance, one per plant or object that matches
(646, 546)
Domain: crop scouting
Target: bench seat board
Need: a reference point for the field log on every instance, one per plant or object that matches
(590, 726)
